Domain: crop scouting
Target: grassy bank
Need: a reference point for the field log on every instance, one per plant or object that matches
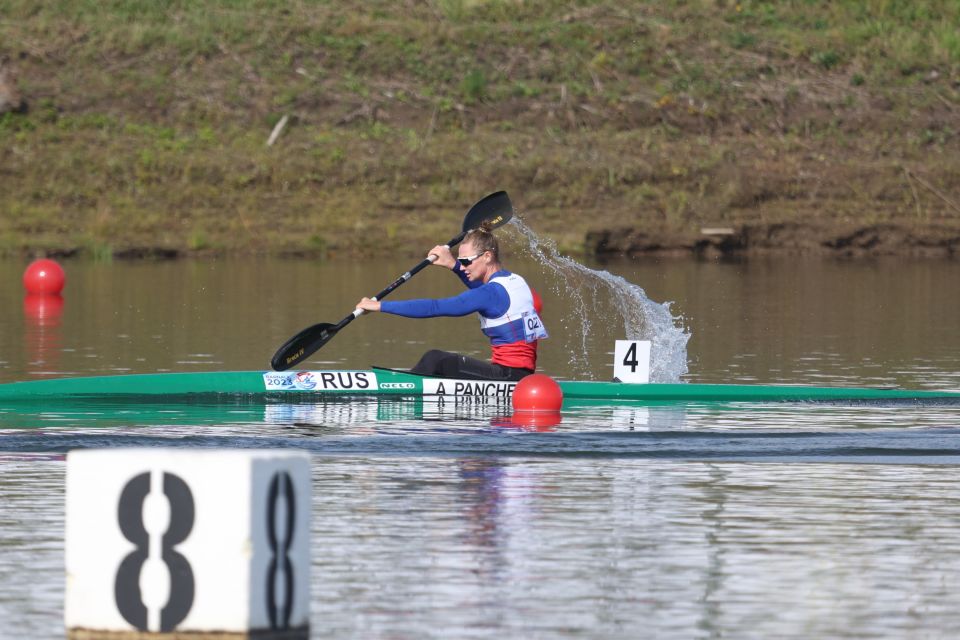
(147, 123)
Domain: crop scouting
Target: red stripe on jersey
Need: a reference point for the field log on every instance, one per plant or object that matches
(520, 355)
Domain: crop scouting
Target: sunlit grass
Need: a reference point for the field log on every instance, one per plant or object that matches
(148, 120)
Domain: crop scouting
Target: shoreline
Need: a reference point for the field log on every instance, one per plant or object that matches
(785, 239)
(750, 240)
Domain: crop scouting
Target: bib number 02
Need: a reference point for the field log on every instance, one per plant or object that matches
(533, 328)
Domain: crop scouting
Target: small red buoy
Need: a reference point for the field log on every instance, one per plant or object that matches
(44, 277)
(537, 392)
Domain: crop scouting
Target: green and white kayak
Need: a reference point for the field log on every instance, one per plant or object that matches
(392, 383)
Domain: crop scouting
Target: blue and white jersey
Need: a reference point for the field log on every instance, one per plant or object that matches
(520, 321)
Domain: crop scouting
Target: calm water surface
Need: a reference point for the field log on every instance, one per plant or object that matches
(749, 521)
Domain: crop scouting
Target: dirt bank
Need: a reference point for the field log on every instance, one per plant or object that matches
(146, 131)
(930, 241)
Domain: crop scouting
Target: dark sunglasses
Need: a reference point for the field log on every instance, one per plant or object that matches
(468, 261)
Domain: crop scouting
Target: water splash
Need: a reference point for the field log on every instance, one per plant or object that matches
(591, 291)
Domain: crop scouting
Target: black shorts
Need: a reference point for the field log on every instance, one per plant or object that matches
(453, 365)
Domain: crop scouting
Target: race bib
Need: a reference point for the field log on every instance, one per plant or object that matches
(533, 328)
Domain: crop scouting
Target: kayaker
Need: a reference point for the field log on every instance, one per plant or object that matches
(508, 308)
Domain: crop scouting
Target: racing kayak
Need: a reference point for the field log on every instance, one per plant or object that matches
(393, 383)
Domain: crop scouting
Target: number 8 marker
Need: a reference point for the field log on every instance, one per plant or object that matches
(130, 518)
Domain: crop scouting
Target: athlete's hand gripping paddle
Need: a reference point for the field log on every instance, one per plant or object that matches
(495, 210)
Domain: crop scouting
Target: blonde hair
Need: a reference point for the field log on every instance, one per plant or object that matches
(483, 240)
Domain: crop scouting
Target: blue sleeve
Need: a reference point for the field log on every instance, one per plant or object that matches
(490, 300)
(457, 269)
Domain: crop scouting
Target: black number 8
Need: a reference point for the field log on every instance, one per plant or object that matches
(281, 484)
(130, 517)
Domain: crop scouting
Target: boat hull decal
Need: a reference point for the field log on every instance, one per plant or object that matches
(365, 381)
(480, 388)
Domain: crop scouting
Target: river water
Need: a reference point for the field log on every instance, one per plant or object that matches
(664, 521)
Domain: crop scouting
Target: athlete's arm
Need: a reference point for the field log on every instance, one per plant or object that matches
(457, 269)
(490, 300)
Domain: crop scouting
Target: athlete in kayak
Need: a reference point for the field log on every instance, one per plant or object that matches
(508, 308)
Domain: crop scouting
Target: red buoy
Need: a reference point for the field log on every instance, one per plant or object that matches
(44, 277)
(537, 392)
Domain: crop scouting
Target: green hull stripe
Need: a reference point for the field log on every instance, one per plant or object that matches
(388, 383)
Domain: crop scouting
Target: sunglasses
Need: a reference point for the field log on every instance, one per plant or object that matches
(468, 261)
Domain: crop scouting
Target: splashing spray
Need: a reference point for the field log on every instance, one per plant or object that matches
(587, 289)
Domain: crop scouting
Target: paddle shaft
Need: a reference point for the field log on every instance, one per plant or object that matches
(399, 281)
(312, 338)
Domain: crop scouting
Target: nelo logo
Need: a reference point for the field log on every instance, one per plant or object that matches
(397, 385)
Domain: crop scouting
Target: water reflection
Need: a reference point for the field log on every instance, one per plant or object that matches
(563, 548)
(714, 498)
(473, 529)
(413, 416)
(42, 333)
(539, 421)
(481, 495)
(450, 518)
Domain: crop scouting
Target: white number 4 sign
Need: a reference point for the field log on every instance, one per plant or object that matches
(631, 361)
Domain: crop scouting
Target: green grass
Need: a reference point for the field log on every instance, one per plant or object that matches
(148, 120)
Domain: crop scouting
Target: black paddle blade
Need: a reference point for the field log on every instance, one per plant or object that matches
(302, 346)
(496, 210)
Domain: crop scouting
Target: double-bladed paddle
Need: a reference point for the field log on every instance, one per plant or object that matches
(493, 211)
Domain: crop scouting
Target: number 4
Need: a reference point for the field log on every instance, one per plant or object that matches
(631, 361)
